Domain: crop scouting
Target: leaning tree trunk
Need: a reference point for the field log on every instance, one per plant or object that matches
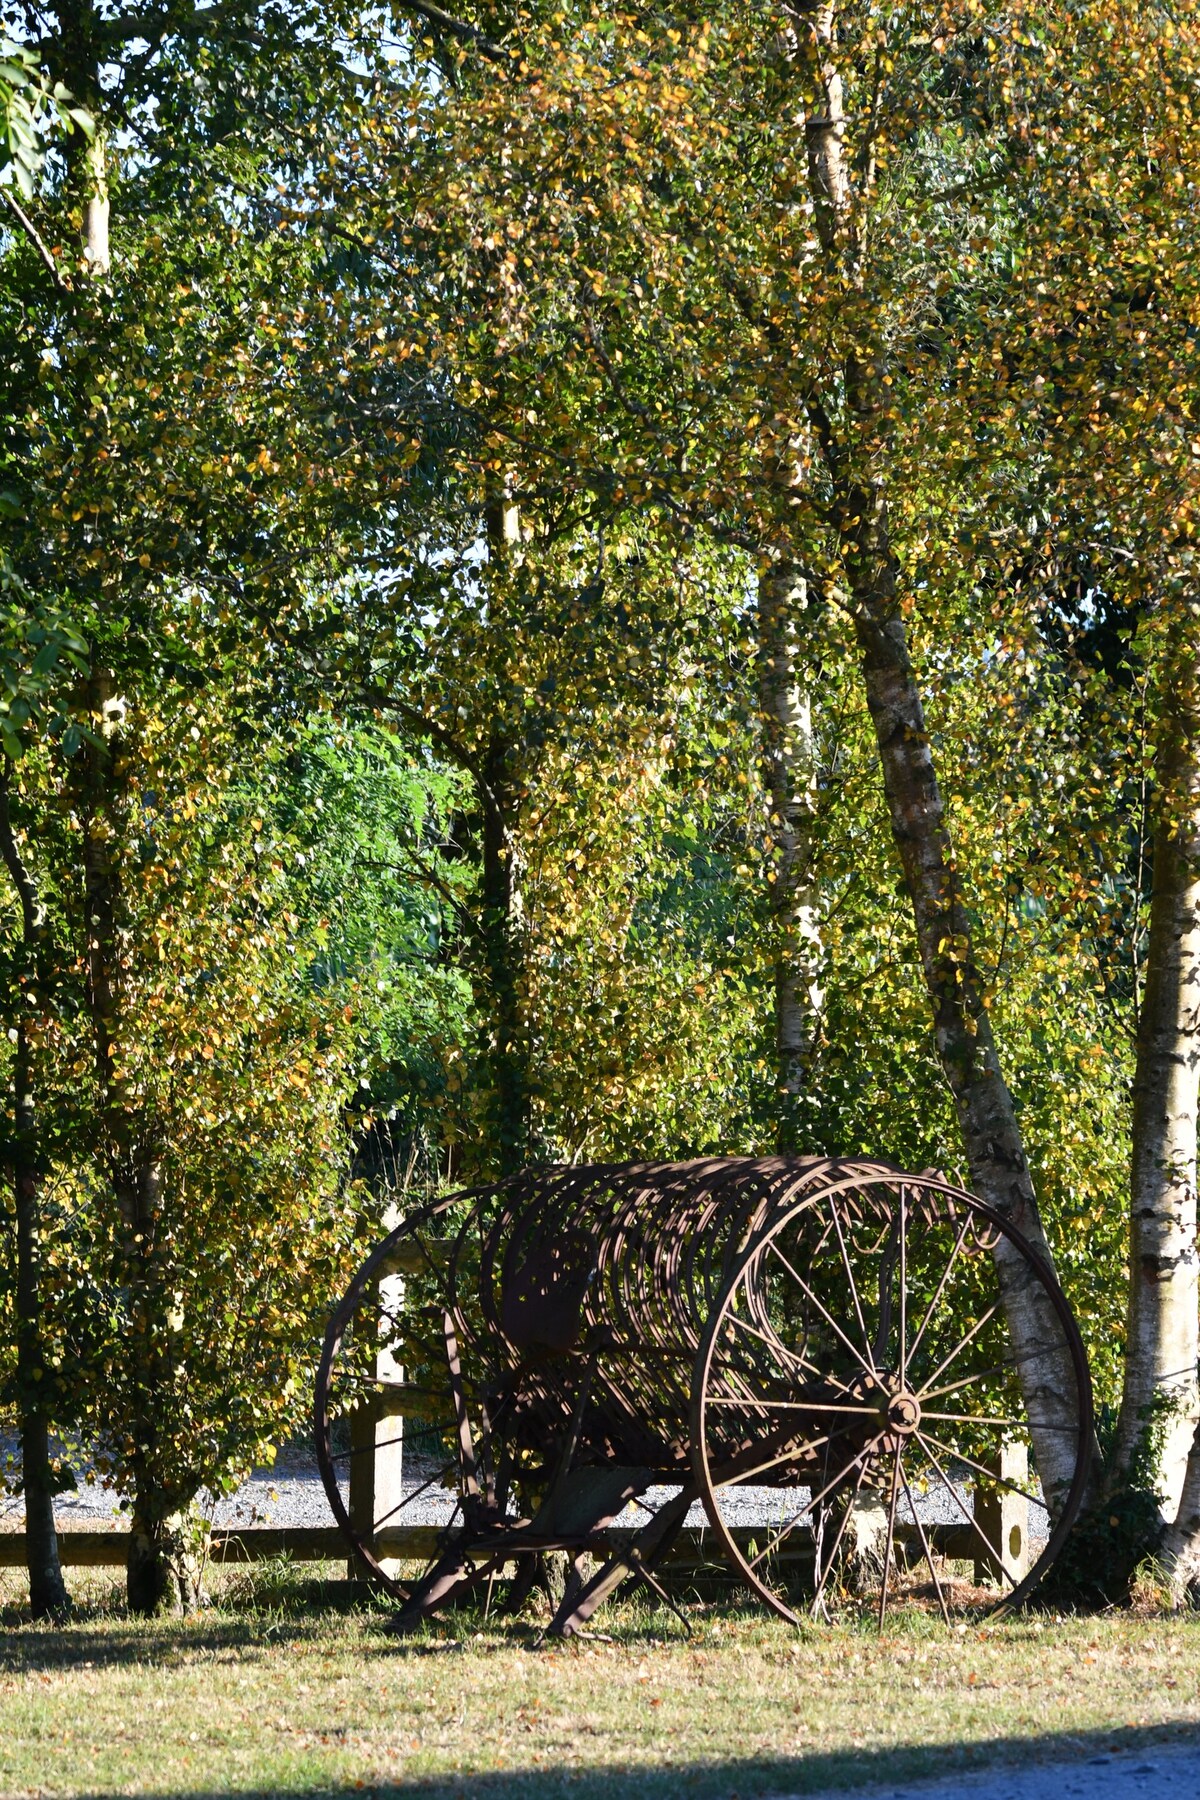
(789, 770)
(852, 456)
(47, 1589)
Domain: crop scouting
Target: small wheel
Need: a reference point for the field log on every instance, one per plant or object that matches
(860, 1416)
(389, 1437)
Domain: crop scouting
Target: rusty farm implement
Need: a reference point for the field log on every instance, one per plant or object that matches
(820, 1354)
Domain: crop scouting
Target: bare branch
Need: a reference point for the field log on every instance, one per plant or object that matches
(37, 240)
(458, 28)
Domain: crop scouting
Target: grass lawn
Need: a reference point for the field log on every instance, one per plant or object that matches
(275, 1690)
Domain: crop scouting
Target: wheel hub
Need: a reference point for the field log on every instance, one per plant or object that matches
(903, 1414)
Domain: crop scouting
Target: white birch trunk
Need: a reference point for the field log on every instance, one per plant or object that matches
(790, 773)
(1159, 1400)
(96, 206)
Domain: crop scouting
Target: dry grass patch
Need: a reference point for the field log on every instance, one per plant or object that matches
(271, 1692)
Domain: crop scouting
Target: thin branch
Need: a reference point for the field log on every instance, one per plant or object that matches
(458, 28)
(36, 239)
(32, 915)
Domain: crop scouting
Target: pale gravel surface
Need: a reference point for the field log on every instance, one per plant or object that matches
(1172, 1770)
(291, 1494)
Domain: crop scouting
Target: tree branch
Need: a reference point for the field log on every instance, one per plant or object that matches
(458, 28)
(32, 915)
(36, 239)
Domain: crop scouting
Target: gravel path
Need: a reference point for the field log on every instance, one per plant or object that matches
(290, 1494)
(1116, 1775)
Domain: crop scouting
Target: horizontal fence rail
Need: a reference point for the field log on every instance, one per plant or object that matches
(320, 1543)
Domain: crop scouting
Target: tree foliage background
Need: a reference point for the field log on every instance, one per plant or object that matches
(384, 517)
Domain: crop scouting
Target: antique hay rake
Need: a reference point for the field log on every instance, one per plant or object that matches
(817, 1351)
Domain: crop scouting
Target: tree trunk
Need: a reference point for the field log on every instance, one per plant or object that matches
(162, 1566)
(96, 206)
(47, 1589)
(1180, 1551)
(129, 1157)
(504, 921)
(852, 455)
(1159, 1400)
(789, 769)
(132, 1169)
(504, 945)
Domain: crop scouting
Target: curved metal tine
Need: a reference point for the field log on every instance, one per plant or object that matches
(740, 1378)
(928, 1553)
(941, 1286)
(1025, 1425)
(816, 1249)
(978, 1326)
(1010, 1362)
(862, 1323)
(969, 1517)
(811, 1503)
(891, 1534)
(827, 1316)
(981, 1468)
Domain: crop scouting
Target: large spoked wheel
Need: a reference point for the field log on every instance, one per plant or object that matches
(888, 1364)
(390, 1402)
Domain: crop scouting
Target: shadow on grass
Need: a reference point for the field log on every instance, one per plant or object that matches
(729, 1779)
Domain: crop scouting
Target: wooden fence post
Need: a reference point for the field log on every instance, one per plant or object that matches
(377, 1440)
(1003, 1516)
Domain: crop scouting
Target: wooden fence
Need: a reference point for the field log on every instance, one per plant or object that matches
(1002, 1516)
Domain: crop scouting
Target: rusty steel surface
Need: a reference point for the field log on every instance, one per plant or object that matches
(827, 1332)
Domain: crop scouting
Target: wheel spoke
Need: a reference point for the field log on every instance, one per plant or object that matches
(361, 1449)
(862, 1323)
(903, 1359)
(978, 1326)
(1009, 1362)
(792, 1406)
(815, 1501)
(861, 1457)
(969, 1517)
(787, 1455)
(941, 1286)
(780, 1535)
(867, 1368)
(891, 1532)
(411, 1496)
(841, 1532)
(1010, 1424)
(912, 1507)
(780, 1349)
(981, 1469)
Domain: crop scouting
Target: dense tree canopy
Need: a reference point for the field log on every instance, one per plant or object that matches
(587, 583)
